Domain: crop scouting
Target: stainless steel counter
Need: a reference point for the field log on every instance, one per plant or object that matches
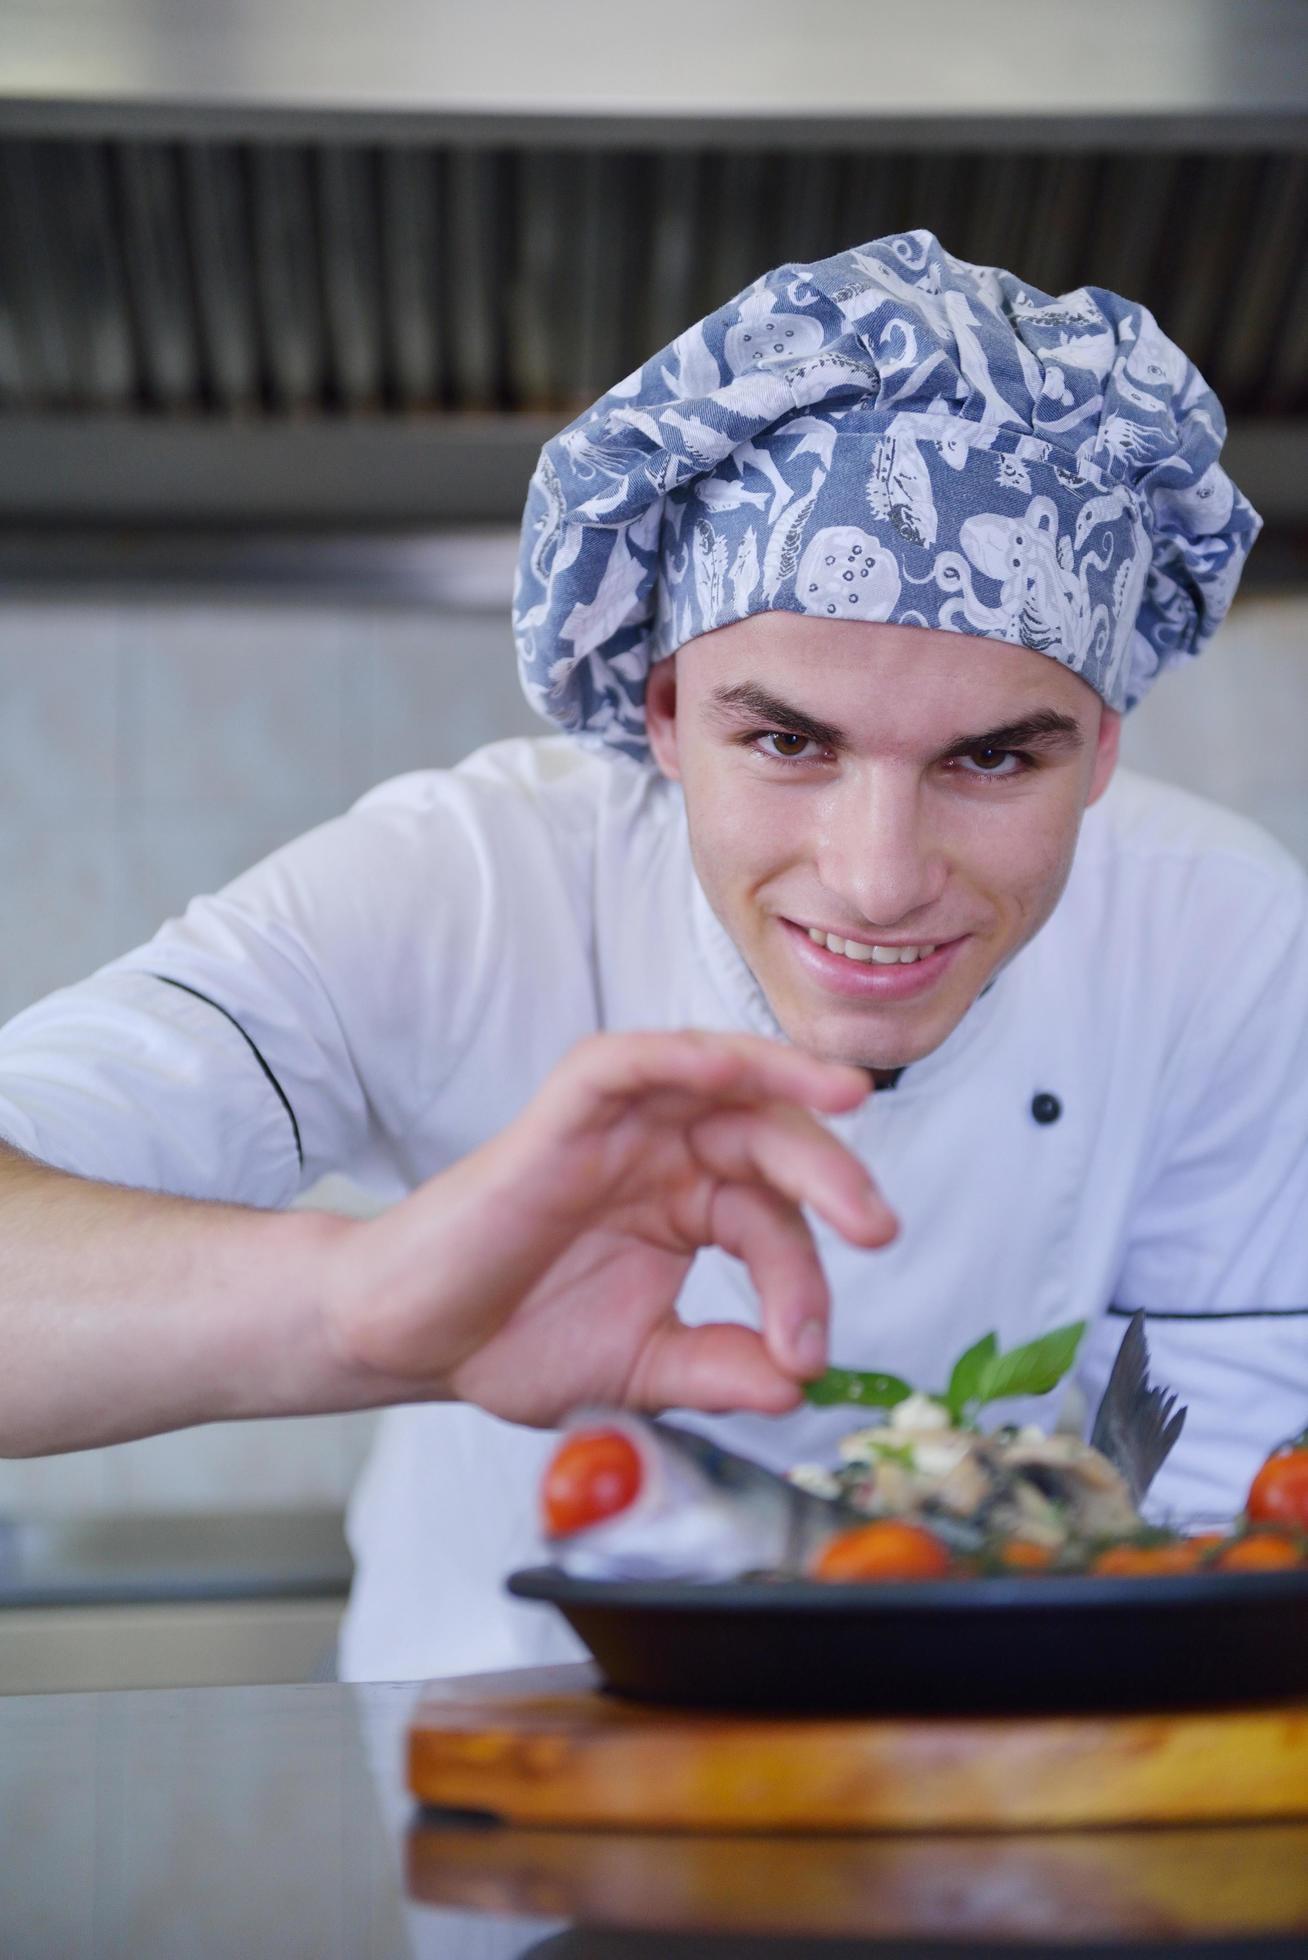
(274, 1821)
(155, 1559)
(152, 1602)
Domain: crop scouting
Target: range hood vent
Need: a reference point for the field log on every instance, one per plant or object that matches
(169, 306)
(238, 279)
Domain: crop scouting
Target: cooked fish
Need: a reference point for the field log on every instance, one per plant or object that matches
(675, 1506)
(1137, 1424)
(630, 1498)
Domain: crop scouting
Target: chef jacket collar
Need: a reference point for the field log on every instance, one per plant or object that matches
(748, 1005)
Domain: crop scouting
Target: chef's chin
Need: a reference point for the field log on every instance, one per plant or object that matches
(837, 1015)
(878, 1039)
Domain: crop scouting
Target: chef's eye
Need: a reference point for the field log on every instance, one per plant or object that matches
(786, 746)
(987, 761)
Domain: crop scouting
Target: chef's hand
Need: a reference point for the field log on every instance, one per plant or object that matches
(542, 1271)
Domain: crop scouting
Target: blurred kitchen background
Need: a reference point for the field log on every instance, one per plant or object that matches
(290, 295)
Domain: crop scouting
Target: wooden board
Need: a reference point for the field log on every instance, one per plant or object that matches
(544, 1746)
(1198, 1881)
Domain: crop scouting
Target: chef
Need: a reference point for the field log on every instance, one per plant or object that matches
(838, 603)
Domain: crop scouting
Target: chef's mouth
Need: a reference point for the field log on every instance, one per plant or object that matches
(862, 971)
(867, 952)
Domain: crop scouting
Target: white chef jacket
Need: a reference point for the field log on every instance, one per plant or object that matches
(384, 993)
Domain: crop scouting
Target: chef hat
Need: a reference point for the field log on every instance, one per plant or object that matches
(890, 435)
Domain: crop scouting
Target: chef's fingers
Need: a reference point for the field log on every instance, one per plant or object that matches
(790, 1151)
(602, 1074)
(772, 1239)
(716, 1369)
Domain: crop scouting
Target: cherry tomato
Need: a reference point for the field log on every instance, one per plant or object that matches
(1261, 1551)
(1020, 1555)
(1279, 1493)
(594, 1474)
(885, 1549)
(1145, 1561)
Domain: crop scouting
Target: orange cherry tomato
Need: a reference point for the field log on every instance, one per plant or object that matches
(885, 1549)
(1146, 1561)
(1279, 1493)
(1261, 1551)
(1020, 1555)
(594, 1474)
(1204, 1543)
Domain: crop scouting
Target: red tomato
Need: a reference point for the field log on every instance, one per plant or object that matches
(1279, 1493)
(1261, 1551)
(594, 1474)
(885, 1549)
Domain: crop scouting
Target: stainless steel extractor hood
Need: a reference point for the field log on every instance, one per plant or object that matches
(832, 67)
(344, 265)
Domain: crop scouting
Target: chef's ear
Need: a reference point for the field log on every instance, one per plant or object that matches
(661, 715)
(1110, 735)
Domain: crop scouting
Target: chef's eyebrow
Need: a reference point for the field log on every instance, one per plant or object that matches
(749, 702)
(1046, 729)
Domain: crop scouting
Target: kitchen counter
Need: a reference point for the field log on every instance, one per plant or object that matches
(159, 1601)
(247, 1821)
(153, 1558)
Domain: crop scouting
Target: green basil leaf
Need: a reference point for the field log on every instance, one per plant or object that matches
(1032, 1369)
(968, 1371)
(862, 1390)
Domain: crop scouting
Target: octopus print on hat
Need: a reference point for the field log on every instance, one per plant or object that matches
(887, 435)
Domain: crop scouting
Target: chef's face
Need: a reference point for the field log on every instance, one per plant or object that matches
(892, 787)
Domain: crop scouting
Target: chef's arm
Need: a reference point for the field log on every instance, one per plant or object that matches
(125, 1312)
(538, 1273)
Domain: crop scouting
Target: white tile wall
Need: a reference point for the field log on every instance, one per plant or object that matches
(152, 749)
(149, 751)
(59, 731)
(1233, 727)
(227, 708)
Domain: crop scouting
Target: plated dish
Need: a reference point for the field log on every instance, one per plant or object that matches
(972, 1646)
(934, 1565)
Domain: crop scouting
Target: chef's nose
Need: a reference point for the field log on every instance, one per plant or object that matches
(876, 851)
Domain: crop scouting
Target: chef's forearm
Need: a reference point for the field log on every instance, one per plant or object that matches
(124, 1313)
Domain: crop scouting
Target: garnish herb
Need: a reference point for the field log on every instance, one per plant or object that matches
(1032, 1369)
(969, 1373)
(840, 1385)
(981, 1374)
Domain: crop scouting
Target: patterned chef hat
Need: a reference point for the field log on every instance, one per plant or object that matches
(890, 434)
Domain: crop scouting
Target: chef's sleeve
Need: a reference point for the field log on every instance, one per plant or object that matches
(301, 1020)
(1218, 1248)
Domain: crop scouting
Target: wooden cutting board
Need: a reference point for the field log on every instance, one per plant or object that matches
(548, 1746)
(1197, 1881)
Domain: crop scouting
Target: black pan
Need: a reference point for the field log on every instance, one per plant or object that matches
(961, 1645)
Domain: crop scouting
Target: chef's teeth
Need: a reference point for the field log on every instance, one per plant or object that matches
(854, 949)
